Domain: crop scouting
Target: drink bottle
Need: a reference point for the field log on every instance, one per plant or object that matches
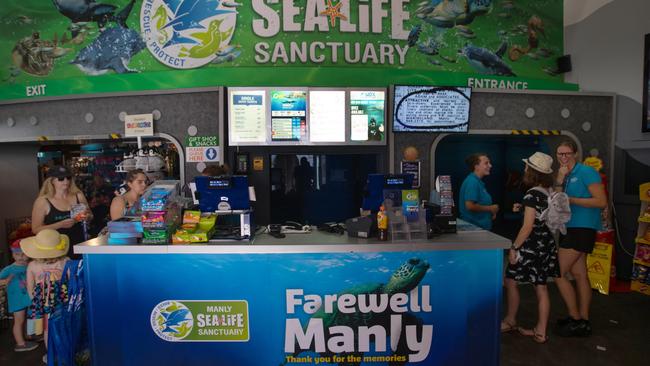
(382, 224)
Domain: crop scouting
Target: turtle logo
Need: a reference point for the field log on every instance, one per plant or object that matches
(171, 320)
(186, 34)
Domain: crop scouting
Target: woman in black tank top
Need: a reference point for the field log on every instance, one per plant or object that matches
(52, 207)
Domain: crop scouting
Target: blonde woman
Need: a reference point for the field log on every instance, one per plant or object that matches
(53, 206)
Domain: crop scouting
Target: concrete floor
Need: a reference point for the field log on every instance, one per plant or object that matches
(621, 335)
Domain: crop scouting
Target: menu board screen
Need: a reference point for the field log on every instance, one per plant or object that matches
(367, 115)
(327, 116)
(247, 116)
(288, 115)
(431, 109)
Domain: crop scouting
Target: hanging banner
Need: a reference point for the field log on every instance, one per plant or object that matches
(63, 47)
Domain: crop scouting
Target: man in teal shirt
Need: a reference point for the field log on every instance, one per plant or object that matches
(474, 201)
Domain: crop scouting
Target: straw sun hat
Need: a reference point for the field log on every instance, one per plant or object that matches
(540, 162)
(46, 244)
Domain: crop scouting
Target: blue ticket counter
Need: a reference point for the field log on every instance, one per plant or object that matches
(303, 300)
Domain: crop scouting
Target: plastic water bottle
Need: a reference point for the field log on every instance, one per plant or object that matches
(382, 224)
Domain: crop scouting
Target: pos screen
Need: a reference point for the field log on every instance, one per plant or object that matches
(219, 183)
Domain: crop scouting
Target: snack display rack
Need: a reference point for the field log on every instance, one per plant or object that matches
(641, 267)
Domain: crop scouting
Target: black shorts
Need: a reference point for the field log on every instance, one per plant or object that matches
(578, 238)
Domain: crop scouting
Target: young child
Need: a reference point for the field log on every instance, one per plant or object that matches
(48, 250)
(14, 275)
(533, 255)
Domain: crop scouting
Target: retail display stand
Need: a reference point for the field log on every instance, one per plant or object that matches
(443, 195)
(641, 268)
(406, 221)
(406, 228)
(161, 211)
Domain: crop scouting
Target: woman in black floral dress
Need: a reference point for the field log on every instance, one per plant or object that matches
(533, 255)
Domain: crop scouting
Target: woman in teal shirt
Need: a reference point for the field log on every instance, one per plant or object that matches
(474, 201)
(587, 196)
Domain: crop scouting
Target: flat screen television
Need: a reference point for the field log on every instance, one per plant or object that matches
(441, 109)
(367, 116)
(288, 115)
(646, 86)
(301, 116)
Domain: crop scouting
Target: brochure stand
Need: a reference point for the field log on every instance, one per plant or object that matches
(405, 228)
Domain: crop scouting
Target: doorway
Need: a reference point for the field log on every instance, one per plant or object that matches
(505, 180)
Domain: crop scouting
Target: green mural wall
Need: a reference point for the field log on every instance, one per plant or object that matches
(67, 47)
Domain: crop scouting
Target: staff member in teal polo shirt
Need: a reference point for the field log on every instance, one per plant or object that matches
(474, 201)
(587, 197)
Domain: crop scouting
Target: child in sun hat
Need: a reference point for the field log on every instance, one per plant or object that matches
(48, 250)
(14, 275)
(533, 255)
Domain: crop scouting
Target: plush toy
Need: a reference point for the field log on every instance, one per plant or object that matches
(558, 212)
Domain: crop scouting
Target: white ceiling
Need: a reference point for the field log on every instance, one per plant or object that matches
(577, 10)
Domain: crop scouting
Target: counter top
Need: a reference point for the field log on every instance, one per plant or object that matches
(314, 242)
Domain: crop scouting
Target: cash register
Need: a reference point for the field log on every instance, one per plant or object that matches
(227, 196)
(380, 187)
(222, 193)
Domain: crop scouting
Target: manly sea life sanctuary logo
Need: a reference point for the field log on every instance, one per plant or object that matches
(171, 320)
(186, 34)
(201, 320)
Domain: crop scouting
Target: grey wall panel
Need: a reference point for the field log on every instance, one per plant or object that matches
(510, 113)
(66, 117)
(17, 193)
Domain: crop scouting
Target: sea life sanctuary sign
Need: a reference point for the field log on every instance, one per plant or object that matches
(63, 47)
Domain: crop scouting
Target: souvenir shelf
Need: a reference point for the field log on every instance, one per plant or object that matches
(641, 266)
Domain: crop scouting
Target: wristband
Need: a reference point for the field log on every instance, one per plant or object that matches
(513, 247)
